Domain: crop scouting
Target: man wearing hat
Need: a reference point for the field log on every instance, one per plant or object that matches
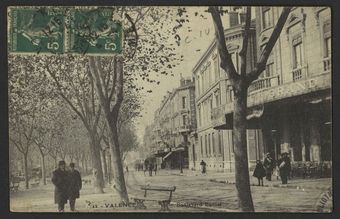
(268, 164)
(284, 167)
(60, 181)
(74, 186)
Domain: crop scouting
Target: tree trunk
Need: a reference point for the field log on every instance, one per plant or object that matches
(98, 180)
(43, 168)
(55, 163)
(119, 181)
(26, 171)
(86, 167)
(240, 145)
(104, 166)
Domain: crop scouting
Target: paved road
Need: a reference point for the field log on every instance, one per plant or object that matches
(206, 192)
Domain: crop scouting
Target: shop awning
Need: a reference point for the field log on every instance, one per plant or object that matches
(253, 119)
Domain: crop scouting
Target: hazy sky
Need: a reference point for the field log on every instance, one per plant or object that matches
(192, 47)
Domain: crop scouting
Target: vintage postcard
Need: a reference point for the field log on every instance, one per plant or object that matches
(170, 108)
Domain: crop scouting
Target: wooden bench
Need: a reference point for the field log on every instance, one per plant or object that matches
(162, 201)
(35, 183)
(14, 186)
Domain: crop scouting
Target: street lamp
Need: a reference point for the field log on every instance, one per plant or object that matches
(274, 141)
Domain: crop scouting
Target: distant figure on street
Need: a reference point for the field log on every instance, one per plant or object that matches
(259, 172)
(284, 167)
(155, 169)
(74, 186)
(145, 166)
(203, 167)
(127, 169)
(150, 169)
(269, 166)
(60, 181)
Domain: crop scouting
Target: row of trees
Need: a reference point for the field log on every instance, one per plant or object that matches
(91, 90)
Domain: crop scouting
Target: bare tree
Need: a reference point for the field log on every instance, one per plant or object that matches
(70, 76)
(240, 82)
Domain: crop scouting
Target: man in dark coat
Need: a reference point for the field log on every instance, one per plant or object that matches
(75, 185)
(60, 181)
(259, 172)
(284, 168)
(203, 167)
(269, 165)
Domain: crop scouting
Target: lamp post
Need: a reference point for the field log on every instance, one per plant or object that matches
(274, 141)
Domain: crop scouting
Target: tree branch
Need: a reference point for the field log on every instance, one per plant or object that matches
(226, 61)
(261, 64)
(81, 116)
(243, 52)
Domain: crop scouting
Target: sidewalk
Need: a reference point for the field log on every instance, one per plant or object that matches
(229, 178)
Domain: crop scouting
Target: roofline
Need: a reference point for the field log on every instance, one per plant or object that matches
(229, 31)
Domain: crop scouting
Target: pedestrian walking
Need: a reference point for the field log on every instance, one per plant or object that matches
(203, 167)
(269, 166)
(259, 172)
(74, 187)
(150, 169)
(284, 167)
(155, 169)
(60, 181)
(146, 166)
(127, 169)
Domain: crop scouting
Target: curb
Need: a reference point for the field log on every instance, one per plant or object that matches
(274, 185)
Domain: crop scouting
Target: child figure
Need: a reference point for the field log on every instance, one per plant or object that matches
(259, 172)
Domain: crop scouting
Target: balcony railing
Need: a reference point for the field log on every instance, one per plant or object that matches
(299, 73)
(327, 64)
(263, 83)
(184, 128)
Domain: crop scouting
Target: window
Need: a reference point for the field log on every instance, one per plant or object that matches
(269, 70)
(297, 53)
(201, 145)
(184, 117)
(220, 142)
(209, 74)
(266, 17)
(230, 94)
(198, 85)
(199, 115)
(209, 145)
(327, 38)
(211, 106)
(183, 102)
(206, 144)
(217, 98)
(217, 69)
(213, 142)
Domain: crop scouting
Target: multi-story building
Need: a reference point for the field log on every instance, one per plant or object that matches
(213, 95)
(289, 105)
(294, 92)
(174, 120)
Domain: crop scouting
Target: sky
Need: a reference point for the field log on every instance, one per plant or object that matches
(193, 45)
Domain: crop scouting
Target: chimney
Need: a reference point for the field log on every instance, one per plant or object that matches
(233, 18)
(243, 17)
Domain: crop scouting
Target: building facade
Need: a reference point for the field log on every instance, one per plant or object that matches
(289, 105)
(174, 120)
(213, 95)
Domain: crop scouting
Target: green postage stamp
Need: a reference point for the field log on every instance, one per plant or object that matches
(77, 30)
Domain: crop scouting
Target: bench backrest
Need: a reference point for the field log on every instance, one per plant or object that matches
(159, 188)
